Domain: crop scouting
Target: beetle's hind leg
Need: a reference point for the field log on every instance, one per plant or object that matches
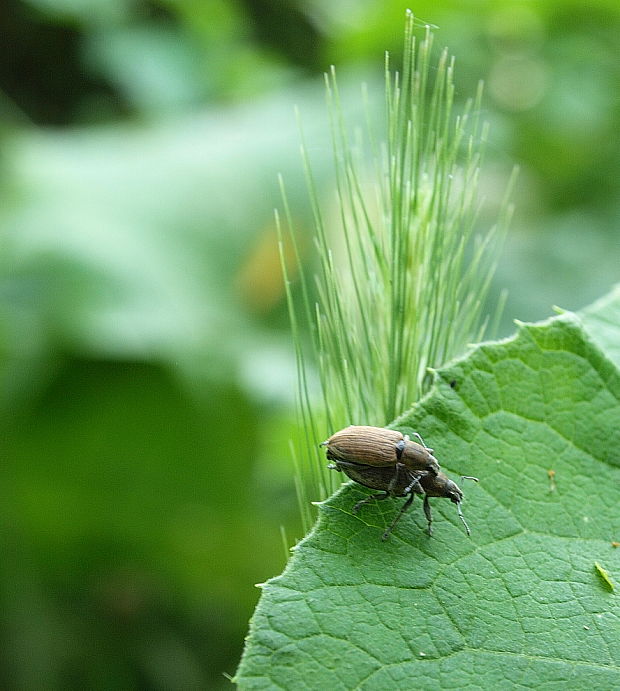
(369, 498)
(392, 525)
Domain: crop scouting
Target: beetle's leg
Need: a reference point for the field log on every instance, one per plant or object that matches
(346, 464)
(403, 508)
(419, 438)
(369, 498)
(414, 485)
(458, 508)
(428, 514)
(400, 468)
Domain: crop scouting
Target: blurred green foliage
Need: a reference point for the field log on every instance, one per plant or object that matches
(147, 375)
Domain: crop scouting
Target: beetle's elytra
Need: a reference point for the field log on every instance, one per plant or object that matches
(386, 460)
(377, 446)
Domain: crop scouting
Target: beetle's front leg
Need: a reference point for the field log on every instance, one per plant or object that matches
(428, 514)
(414, 486)
(419, 438)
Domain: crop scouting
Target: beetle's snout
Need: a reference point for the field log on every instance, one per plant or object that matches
(455, 495)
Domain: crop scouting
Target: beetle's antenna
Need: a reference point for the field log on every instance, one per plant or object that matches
(458, 505)
(458, 508)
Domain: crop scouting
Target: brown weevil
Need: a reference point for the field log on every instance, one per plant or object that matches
(379, 447)
(384, 466)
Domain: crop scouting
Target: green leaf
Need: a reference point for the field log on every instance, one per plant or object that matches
(602, 321)
(605, 577)
(517, 604)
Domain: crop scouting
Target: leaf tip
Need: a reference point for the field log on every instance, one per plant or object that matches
(604, 576)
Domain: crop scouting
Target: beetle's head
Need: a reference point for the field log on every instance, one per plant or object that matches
(433, 465)
(452, 491)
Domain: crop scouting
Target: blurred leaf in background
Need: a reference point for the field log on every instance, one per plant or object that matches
(146, 370)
